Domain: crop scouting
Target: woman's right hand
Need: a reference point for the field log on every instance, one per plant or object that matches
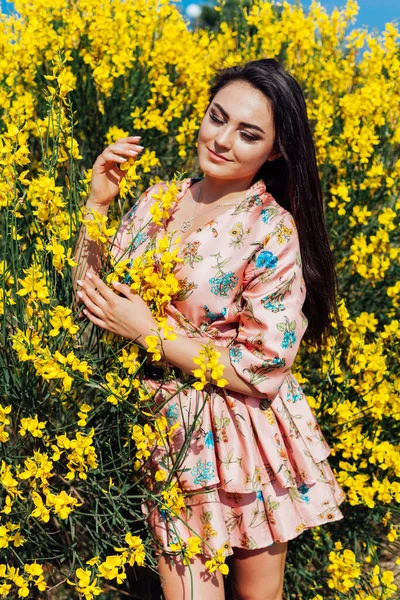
(106, 174)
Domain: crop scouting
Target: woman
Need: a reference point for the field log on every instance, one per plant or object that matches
(255, 250)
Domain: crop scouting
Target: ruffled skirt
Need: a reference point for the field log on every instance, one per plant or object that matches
(252, 473)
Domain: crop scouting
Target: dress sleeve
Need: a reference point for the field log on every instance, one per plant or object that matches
(271, 321)
(131, 230)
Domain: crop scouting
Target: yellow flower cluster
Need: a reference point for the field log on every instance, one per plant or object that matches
(49, 366)
(31, 573)
(97, 227)
(4, 421)
(54, 53)
(145, 162)
(208, 364)
(218, 562)
(344, 570)
(151, 275)
(173, 498)
(345, 575)
(113, 567)
(148, 437)
(79, 452)
(188, 549)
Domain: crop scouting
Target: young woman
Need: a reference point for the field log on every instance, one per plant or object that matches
(258, 275)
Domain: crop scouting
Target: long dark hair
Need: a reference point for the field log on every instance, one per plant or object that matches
(293, 181)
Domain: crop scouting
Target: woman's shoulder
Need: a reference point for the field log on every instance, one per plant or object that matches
(271, 213)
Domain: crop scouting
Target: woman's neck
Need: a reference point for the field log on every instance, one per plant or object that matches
(217, 190)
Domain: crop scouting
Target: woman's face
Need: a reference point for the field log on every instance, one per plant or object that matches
(236, 136)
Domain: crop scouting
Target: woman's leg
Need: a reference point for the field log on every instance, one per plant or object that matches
(189, 582)
(258, 574)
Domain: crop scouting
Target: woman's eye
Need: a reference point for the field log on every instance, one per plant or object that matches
(246, 136)
(249, 138)
(215, 119)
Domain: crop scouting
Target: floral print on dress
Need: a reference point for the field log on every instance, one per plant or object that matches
(255, 470)
(191, 255)
(202, 472)
(238, 234)
(222, 283)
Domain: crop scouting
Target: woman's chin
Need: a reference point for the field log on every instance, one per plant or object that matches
(211, 169)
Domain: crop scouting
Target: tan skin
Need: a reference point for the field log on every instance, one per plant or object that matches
(238, 126)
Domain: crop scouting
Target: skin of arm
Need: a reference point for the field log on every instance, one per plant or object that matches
(87, 252)
(129, 316)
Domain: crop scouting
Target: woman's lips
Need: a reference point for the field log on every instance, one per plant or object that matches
(217, 157)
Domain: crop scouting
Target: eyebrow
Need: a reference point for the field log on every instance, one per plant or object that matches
(248, 125)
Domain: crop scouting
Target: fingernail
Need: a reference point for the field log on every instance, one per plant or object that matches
(140, 147)
(79, 282)
(80, 294)
(89, 275)
(116, 283)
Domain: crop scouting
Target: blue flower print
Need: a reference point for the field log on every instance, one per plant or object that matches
(209, 439)
(266, 259)
(303, 489)
(259, 495)
(222, 285)
(265, 215)
(139, 239)
(289, 338)
(214, 316)
(235, 354)
(294, 396)
(273, 305)
(172, 414)
(276, 362)
(202, 472)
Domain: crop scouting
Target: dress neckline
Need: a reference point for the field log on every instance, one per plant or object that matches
(258, 189)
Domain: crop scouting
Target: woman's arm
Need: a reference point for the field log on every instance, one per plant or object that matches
(181, 351)
(130, 317)
(104, 186)
(87, 252)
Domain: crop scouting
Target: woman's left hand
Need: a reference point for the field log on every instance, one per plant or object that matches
(128, 316)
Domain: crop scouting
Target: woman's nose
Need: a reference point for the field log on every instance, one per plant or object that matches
(224, 138)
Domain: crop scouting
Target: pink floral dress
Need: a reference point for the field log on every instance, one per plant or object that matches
(255, 469)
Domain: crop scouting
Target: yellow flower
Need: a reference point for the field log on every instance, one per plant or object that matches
(61, 319)
(160, 475)
(153, 347)
(84, 585)
(119, 388)
(217, 562)
(34, 285)
(344, 571)
(113, 568)
(97, 227)
(208, 362)
(33, 426)
(134, 553)
(173, 498)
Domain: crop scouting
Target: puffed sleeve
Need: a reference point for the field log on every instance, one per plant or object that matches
(271, 321)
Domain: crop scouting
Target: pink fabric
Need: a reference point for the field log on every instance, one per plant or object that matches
(255, 471)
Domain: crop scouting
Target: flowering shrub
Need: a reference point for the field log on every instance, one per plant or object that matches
(76, 425)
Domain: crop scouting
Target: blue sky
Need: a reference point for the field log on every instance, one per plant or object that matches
(372, 13)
